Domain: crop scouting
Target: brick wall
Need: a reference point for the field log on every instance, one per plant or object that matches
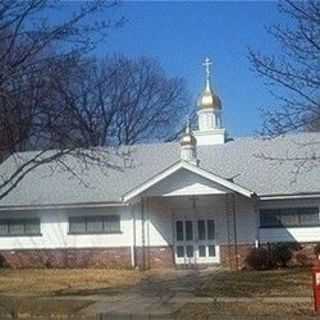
(67, 258)
(155, 257)
(234, 258)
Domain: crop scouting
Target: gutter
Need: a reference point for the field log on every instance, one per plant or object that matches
(289, 196)
(64, 206)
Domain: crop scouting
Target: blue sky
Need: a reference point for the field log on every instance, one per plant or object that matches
(181, 34)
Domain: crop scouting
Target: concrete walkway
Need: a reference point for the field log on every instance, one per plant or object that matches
(157, 296)
(161, 297)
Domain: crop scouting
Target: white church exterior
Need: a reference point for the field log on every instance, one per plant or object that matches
(204, 200)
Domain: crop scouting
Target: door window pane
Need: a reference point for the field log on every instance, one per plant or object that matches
(189, 251)
(211, 230)
(179, 230)
(180, 251)
(202, 251)
(201, 230)
(189, 230)
(212, 251)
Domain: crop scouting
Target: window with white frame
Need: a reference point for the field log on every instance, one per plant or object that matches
(94, 224)
(20, 227)
(289, 217)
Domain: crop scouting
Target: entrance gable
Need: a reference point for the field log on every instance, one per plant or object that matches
(184, 182)
(219, 182)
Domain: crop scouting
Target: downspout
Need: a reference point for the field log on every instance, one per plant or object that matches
(134, 238)
(257, 242)
(234, 216)
(143, 240)
(227, 212)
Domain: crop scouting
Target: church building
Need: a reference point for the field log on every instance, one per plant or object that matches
(205, 199)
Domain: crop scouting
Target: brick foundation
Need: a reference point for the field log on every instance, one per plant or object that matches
(67, 258)
(234, 258)
(155, 257)
(152, 257)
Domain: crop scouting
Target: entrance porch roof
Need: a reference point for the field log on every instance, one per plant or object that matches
(224, 183)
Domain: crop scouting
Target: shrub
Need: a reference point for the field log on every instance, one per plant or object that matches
(259, 259)
(2, 261)
(281, 254)
(316, 249)
(303, 260)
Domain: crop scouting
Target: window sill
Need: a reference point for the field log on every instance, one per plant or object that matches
(92, 233)
(20, 235)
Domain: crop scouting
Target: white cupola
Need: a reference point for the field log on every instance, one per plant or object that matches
(209, 113)
(188, 146)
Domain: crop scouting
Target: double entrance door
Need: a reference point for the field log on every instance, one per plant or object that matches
(195, 241)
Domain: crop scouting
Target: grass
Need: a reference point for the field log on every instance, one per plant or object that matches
(33, 290)
(63, 282)
(245, 311)
(19, 307)
(275, 283)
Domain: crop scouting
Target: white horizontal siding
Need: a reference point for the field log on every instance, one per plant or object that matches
(54, 229)
(308, 234)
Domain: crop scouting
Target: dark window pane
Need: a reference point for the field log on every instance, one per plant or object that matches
(287, 217)
(211, 230)
(95, 224)
(179, 230)
(309, 216)
(189, 251)
(112, 224)
(4, 228)
(189, 230)
(32, 226)
(16, 227)
(212, 251)
(201, 230)
(180, 251)
(202, 251)
(77, 225)
(270, 218)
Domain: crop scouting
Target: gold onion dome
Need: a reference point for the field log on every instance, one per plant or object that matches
(188, 138)
(209, 100)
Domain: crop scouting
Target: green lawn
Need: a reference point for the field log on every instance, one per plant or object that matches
(275, 283)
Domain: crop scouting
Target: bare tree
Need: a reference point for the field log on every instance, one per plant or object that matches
(31, 50)
(294, 74)
(118, 101)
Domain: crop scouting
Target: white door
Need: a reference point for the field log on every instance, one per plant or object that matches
(195, 241)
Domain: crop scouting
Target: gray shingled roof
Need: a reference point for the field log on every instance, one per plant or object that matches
(240, 160)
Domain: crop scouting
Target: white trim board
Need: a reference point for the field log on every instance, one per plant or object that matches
(192, 168)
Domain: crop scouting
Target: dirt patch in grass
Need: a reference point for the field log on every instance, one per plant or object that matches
(53, 282)
(275, 283)
(257, 311)
(26, 307)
